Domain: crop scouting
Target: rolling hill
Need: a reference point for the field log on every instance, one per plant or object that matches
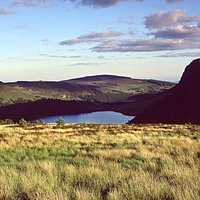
(101, 88)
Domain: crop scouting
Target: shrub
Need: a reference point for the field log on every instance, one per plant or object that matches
(23, 123)
(60, 122)
(6, 121)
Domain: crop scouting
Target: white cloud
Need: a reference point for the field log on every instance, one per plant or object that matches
(93, 37)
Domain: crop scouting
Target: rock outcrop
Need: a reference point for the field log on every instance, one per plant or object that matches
(181, 104)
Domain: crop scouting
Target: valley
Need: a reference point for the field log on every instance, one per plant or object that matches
(32, 100)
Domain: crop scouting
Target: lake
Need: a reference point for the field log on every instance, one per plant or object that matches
(105, 117)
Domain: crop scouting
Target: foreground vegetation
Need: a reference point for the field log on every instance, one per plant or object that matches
(106, 162)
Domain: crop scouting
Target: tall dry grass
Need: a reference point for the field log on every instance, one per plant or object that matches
(105, 162)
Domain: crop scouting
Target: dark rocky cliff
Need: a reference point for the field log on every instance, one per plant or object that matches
(181, 105)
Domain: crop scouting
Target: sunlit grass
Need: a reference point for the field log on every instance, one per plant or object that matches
(89, 161)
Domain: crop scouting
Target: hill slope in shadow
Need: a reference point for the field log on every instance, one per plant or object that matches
(181, 104)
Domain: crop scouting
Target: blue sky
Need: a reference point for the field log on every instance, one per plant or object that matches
(62, 39)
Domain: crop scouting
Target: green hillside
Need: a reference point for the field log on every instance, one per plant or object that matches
(10, 94)
(103, 88)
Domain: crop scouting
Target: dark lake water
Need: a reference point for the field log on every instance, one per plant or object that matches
(105, 117)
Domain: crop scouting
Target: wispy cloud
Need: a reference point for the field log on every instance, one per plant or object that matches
(45, 41)
(21, 27)
(36, 3)
(101, 58)
(184, 54)
(59, 56)
(5, 11)
(93, 37)
(102, 3)
(91, 3)
(127, 20)
(28, 2)
(173, 1)
(163, 19)
(165, 39)
(86, 64)
(146, 45)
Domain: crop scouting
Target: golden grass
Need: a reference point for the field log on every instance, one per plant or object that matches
(100, 162)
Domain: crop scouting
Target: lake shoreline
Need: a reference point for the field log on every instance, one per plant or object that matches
(51, 107)
(100, 117)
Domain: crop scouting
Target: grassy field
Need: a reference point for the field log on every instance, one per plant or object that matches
(105, 162)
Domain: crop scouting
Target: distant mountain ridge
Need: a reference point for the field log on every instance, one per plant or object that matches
(99, 78)
(181, 104)
(102, 88)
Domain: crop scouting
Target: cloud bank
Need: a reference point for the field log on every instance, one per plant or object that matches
(143, 45)
(164, 19)
(174, 30)
(146, 45)
(178, 32)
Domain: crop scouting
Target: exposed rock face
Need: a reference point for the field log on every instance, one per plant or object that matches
(182, 103)
(190, 80)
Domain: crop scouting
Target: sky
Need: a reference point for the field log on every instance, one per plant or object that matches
(63, 39)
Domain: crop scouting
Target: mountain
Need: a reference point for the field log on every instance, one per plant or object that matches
(98, 78)
(101, 88)
(181, 104)
(111, 83)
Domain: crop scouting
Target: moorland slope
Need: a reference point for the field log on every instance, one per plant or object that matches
(101, 88)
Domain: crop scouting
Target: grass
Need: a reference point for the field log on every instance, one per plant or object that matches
(100, 162)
